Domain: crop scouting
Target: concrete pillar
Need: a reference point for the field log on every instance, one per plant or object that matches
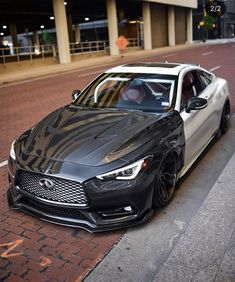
(61, 31)
(36, 42)
(13, 33)
(171, 26)
(189, 26)
(70, 28)
(112, 26)
(77, 33)
(36, 39)
(147, 26)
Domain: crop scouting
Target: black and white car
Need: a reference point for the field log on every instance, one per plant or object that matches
(115, 153)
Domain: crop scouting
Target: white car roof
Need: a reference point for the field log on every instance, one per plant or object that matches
(153, 68)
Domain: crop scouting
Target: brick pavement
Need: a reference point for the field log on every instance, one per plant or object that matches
(31, 249)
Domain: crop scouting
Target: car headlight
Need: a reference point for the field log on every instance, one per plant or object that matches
(125, 173)
(12, 151)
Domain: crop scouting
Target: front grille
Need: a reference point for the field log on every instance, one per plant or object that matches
(53, 210)
(64, 191)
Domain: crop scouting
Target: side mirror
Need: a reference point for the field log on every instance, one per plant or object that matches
(75, 94)
(196, 103)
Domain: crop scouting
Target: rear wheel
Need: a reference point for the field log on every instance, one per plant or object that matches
(225, 118)
(165, 182)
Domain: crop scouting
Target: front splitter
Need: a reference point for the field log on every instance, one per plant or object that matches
(92, 227)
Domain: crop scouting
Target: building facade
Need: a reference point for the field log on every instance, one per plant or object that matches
(155, 23)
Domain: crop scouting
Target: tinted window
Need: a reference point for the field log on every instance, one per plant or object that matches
(147, 92)
(205, 79)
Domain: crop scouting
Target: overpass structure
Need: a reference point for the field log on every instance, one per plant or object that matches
(162, 22)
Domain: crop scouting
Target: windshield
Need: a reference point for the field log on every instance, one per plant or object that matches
(146, 92)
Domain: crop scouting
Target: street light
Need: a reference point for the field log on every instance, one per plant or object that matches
(42, 26)
(4, 26)
(87, 19)
(52, 18)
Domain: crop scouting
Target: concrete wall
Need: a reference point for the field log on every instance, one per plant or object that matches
(159, 25)
(183, 3)
(180, 25)
(128, 30)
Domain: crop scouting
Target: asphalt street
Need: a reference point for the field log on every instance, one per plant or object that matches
(38, 251)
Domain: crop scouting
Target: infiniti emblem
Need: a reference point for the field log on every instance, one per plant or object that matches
(46, 183)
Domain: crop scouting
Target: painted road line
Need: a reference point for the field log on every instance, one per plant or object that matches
(94, 72)
(207, 53)
(215, 68)
(169, 55)
(3, 163)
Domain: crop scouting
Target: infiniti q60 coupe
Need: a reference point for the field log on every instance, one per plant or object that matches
(106, 160)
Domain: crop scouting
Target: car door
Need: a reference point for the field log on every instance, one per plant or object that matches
(197, 123)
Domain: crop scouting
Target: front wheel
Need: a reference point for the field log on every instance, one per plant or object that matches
(165, 182)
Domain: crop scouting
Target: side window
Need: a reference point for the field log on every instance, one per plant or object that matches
(188, 88)
(205, 79)
(192, 86)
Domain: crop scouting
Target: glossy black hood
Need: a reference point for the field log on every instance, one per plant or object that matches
(90, 136)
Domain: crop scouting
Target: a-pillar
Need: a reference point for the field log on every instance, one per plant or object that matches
(61, 31)
(13, 32)
(189, 26)
(171, 26)
(112, 26)
(77, 33)
(147, 26)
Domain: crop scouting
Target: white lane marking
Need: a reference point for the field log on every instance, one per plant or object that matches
(215, 68)
(207, 53)
(87, 74)
(3, 163)
(169, 55)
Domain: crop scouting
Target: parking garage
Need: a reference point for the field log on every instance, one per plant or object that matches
(62, 28)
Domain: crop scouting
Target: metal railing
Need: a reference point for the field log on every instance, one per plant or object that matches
(26, 53)
(133, 42)
(88, 47)
(18, 54)
(96, 46)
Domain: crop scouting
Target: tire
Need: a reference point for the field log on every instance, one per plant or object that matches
(225, 118)
(165, 183)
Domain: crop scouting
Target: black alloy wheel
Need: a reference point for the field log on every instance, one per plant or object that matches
(165, 182)
(225, 118)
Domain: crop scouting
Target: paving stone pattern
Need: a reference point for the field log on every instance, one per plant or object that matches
(31, 249)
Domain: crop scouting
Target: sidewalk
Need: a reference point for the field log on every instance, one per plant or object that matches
(14, 72)
(205, 252)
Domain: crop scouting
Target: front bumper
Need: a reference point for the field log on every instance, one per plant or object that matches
(108, 208)
(90, 221)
